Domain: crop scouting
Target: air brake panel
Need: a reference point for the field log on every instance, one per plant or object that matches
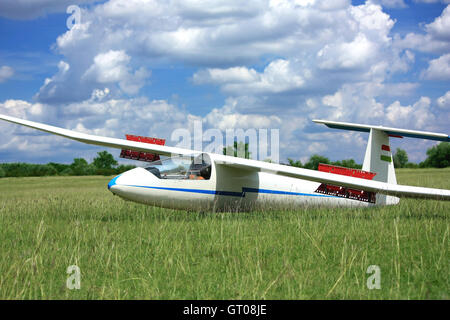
(138, 155)
(344, 192)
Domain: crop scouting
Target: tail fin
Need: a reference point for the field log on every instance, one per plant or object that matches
(378, 157)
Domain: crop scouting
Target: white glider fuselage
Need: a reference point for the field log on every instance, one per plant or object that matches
(190, 179)
(228, 188)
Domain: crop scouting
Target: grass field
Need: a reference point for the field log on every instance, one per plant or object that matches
(131, 251)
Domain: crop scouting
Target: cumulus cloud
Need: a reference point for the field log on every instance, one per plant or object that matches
(319, 46)
(444, 101)
(436, 38)
(417, 115)
(277, 77)
(228, 118)
(112, 67)
(398, 89)
(309, 39)
(314, 37)
(6, 72)
(438, 69)
(98, 115)
(440, 27)
(352, 103)
(391, 3)
(279, 63)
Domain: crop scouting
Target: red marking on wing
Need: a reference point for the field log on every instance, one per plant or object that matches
(138, 155)
(343, 192)
(357, 173)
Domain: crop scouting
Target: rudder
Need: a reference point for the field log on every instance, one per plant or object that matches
(378, 159)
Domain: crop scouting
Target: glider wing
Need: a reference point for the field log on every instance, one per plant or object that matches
(102, 141)
(335, 179)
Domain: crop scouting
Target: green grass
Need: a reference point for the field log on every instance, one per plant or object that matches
(131, 251)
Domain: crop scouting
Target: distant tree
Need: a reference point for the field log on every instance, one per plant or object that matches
(412, 165)
(438, 156)
(60, 167)
(347, 163)
(294, 163)
(400, 158)
(2, 172)
(40, 170)
(80, 167)
(238, 150)
(19, 169)
(67, 172)
(313, 162)
(105, 160)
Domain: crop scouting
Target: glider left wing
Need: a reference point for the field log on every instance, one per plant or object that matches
(101, 141)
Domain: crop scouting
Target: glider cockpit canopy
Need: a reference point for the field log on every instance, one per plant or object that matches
(194, 167)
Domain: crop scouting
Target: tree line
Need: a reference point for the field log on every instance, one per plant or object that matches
(103, 164)
(438, 157)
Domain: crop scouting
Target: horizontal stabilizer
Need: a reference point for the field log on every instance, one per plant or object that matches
(390, 131)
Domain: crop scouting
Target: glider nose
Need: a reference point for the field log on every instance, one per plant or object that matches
(124, 185)
(119, 185)
(112, 185)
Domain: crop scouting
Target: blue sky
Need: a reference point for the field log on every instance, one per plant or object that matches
(150, 67)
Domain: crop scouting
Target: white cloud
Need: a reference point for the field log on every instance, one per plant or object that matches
(438, 69)
(231, 75)
(353, 103)
(225, 38)
(277, 77)
(228, 118)
(444, 101)
(399, 89)
(436, 38)
(279, 63)
(112, 67)
(109, 117)
(347, 55)
(440, 27)
(6, 72)
(416, 116)
(391, 3)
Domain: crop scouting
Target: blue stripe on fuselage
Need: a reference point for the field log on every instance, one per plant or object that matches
(256, 190)
(235, 193)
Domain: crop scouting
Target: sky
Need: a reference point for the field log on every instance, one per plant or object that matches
(149, 67)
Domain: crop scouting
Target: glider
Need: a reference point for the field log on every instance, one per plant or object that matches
(189, 179)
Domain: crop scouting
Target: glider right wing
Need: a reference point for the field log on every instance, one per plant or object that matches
(335, 179)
